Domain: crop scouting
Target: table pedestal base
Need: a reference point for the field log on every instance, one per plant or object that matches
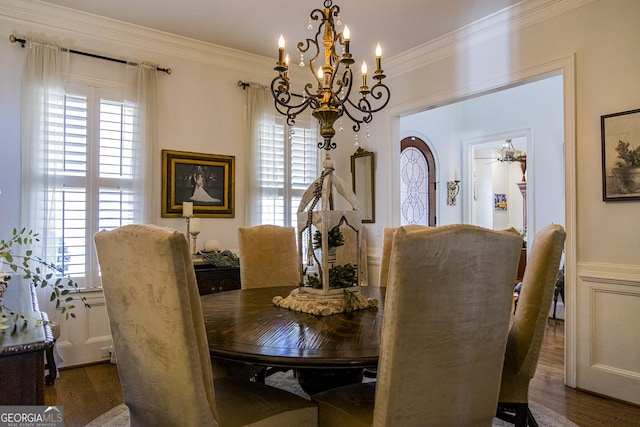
(315, 381)
(325, 305)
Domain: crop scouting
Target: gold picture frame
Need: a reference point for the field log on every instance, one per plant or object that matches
(207, 180)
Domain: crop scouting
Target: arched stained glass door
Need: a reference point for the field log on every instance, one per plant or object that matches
(417, 183)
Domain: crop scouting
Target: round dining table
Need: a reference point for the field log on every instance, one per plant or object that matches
(245, 326)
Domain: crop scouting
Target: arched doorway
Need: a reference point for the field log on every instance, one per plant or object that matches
(417, 183)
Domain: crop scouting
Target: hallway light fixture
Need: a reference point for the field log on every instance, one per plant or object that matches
(453, 188)
(331, 99)
(508, 153)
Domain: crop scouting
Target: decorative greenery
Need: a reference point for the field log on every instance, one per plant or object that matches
(340, 276)
(350, 299)
(335, 237)
(221, 259)
(630, 158)
(39, 272)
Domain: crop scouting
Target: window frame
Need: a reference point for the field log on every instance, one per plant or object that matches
(289, 191)
(90, 180)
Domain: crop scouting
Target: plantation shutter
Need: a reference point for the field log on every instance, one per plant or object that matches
(92, 142)
(289, 164)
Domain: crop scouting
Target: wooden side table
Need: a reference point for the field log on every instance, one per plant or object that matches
(22, 352)
(213, 279)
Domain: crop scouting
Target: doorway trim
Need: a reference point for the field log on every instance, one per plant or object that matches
(564, 66)
(468, 146)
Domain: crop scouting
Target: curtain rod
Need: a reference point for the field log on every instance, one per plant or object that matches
(245, 85)
(22, 42)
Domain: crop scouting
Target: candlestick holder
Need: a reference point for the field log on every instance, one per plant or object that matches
(188, 219)
(188, 233)
(194, 235)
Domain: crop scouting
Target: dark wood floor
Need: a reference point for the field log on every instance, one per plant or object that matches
(87, 392)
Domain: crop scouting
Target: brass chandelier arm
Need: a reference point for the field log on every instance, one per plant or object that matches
(378, 91)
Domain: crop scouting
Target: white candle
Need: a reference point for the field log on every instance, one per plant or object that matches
(187, 209)
(211, 245)
(194, 225)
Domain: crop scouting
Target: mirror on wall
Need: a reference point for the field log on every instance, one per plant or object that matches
(363, 183)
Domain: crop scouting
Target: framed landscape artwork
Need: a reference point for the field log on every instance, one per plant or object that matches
(621, 155)
(207, 180)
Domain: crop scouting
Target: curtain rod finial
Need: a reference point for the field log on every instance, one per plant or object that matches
(12, 38)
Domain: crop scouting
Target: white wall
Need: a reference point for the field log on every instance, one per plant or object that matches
(201, 109)
(595, 42)
(534, 109)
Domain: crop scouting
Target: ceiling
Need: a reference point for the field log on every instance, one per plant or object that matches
(255, 25)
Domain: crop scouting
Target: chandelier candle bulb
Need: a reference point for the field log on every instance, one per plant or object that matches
(347, 37)
(280, 48)
(364, 90)
(187, 209)
(378, 57)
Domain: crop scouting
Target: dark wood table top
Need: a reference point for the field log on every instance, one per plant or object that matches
(244, 325)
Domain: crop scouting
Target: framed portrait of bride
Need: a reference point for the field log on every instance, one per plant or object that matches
(206, 181)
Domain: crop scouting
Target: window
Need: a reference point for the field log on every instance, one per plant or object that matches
(289, 163)
(417, 183)
(91, 153)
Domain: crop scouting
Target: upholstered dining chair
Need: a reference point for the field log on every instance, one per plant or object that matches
(447, 311)
(268, 256)
(159, 336)
(528, 325)
(387, 244)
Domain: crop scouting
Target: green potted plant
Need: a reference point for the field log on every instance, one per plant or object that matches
(37, 272)
(627, 172)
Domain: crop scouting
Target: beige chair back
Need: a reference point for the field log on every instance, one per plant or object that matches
(532, 312)
(387, 245)
(447, 312)
(159, 336)
(158, 331)
(268, 256)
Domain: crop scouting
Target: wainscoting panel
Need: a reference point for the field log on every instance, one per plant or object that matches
(87, 338)
(607, 335)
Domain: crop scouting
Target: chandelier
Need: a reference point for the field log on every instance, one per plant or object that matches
(330, 97)
(508, 153)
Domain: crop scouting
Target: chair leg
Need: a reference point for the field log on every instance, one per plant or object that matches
(50, 366)
(518, 414)
(260, 376)
(522, 415)
(530, 420)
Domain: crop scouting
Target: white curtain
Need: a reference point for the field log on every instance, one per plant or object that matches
(42, 144)
(261, 124)
(43, 81)
(146, 155)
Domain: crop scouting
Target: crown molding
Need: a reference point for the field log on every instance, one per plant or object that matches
(83, 27)
(521, 15)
